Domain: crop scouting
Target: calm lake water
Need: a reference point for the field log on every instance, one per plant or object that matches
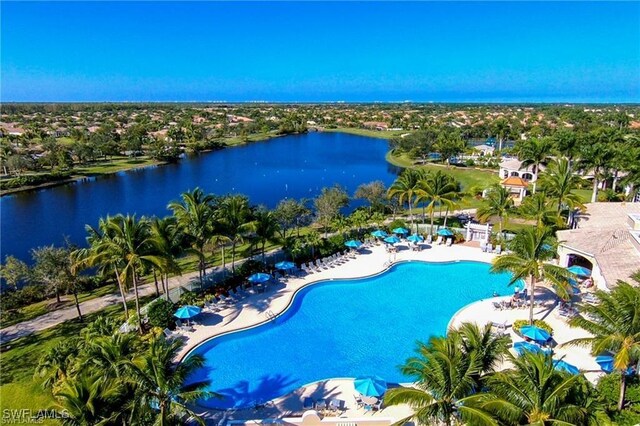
(289, 167)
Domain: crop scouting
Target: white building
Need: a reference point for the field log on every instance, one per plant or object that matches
(512, 167)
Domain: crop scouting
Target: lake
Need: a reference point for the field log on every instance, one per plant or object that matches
(296, 166)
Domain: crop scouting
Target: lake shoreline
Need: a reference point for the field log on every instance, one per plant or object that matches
(82, 177)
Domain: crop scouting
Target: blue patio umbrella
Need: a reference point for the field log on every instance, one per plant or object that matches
(285, 265)
(400, 230)
(379, 233)
(535, 333)
(562, 365)
(259, 277)
(605, 362)
(522, 347)
(392, 239)
(415, 238)
(579, 270)
(187, 312)
(370, 386)
(353, 244)
(444, 232)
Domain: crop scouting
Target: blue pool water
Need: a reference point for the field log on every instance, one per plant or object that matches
(344, 328)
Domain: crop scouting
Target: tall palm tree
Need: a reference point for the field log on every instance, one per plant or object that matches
(103, 253)
(57, 363)
(444, 380)
(558, 181)
(166, 238)
(161, 385)
(266, 227)
(194, 216)
(235, 216)
(533, 392)
(567, 143)
(439, 189)
(406, 187)
(133, 242)
(595, 156)
(534, 152)
(537, 207)
(532, 248)
(615, 326)
(498, 203)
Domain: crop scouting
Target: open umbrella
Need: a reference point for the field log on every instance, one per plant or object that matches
(400, 230)
(259, 277)
(562, 365)
(370, 386)
(392, 239)
(187, 311)
(415, 238)
(535, 333)
(285, 265)
(579, 270)
(522, 347)
(444, 232)
(353, 244)
(605, 362)
(379, 233)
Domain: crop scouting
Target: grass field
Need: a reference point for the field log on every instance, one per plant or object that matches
(366, 132)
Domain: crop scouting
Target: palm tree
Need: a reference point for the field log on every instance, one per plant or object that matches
(615, 325)
(235, 217)
(161, 384)
(57, 363)
(559, 181)
(194, 216)
(406, 187)
(534, 152)
(133, 242)
(532, 248)
(266, 226)
(488, 347)
(166, 239)
(103, 252)
(498, 203)
(439, 189)
(595, 156)
(313, 240)
(537, 207)
(567, 143)
(90, 399)
(533, 392)
(445, 380)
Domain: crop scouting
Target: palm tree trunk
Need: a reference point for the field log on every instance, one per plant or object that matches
(623, 390)
(233, 257)
(164, 279)
(410, 213)
(446, 214)
(122, 294)
(594, 193)
(431, 229)
(263, 244)
(155, 281)
(532, 297)
(137, 297)
(75, 298)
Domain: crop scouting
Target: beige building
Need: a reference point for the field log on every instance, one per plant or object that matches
(606, 240)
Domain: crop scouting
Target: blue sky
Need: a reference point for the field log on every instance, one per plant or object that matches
(313, 51)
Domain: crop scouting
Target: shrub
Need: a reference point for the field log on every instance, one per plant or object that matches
(189, 298)
(458, 238)
(398, 223)
(160, 313)
(609, 387)
(517, 325)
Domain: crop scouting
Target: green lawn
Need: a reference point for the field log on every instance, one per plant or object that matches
(115, 165)
(366, 132)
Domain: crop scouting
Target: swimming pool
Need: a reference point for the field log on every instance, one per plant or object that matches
(344, 328)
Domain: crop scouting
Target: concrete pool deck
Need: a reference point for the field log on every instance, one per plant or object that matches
(259, 308)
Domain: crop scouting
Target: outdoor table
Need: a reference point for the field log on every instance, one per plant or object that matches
(369, 400)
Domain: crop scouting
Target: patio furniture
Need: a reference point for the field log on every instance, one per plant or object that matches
(308, 403)
(498, 249)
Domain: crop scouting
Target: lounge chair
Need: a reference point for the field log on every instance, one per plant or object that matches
(439, 240)
(483, 246)
(489, 248)
(429, 239)
(498, 249)
(168, 334)
(337, 405)
(306, 268)
(498, 306)
(321, 404)
(449, 242)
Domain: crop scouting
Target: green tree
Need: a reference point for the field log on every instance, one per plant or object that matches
(14, 271)
(406, 188)
(559, 181)
(374, 193)
(266, 227)
(533, 392)
(438, 189)
(166, 238)
(194, 216)
(328, 204)
(160, 384)
(291, 214)
(235, 216)
(497, 203)
(614, 323)
(538, 207)
(90, 399)
(534, 153)
(531, 249)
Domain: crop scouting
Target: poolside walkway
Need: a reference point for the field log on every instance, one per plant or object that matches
(258, 308)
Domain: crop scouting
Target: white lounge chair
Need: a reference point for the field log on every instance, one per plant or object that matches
(429, 239)
(449, 242)
(498, 249)
(439, 240)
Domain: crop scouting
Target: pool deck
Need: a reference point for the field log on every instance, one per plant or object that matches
(259, 308)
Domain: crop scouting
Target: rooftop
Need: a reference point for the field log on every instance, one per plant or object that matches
(514, 181)
(605, 232)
